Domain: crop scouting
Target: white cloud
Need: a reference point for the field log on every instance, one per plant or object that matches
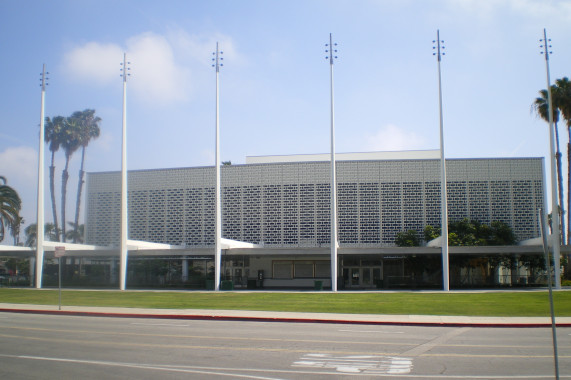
(160, 65)
(94, 63)
(157, 77)
(200, 47)
(552, 10)
(547, 9)
(19, 165)
(391, 138)
(481, 8)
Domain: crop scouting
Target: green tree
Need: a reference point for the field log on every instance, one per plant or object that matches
(54, 136)
(564, 95)
(10, 205)
(16, 228)
(31, 232)
(562, 100)
(70, 144)
(409, 238)
(501, 234)
(76, 234)
(18, 266)
(467, 232)
(541, 108)
(535, 264)
(88, 129)
(431, 233)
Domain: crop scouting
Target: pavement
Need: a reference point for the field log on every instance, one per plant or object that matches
(273, 316)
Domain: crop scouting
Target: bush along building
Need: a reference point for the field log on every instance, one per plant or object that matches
(276, 222)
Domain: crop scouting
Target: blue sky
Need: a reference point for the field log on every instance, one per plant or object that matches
(274, 86)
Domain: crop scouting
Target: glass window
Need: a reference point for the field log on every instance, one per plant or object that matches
(371, 262)
(283, 269)
(322, 269)
(350, 261)
(366, 276)
(303, 269)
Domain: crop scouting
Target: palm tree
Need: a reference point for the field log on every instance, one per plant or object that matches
(541, 108)
(51, 234)
(10, 205)
(88, 130)
(70, 144)
(54, 134)
(564, 105)
(31, 235)
(16, 229)
(76, 234)
(563, 100)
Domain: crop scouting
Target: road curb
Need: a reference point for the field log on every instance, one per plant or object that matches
(282, 319)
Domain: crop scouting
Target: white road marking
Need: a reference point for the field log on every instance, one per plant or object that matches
(236, 372)
(440, 340)
(373, 331)
(183, 369)
(159, 324)
(363, 364)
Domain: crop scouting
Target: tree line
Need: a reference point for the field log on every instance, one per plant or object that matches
(463, 232)
(69, 134)
(10, 206)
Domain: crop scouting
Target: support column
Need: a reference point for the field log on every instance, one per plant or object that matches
(113, 271)
(124, 191)
(32, 270)
(40, 204)
(185, 269)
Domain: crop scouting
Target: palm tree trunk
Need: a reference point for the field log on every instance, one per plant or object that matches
(64, 178)
(560, 183)
(52, 193)
(79, 190)
(568, 265)
(569, 188)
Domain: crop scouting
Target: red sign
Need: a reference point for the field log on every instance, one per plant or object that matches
(60, 251)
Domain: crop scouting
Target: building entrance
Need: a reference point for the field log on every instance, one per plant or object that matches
(362, 277)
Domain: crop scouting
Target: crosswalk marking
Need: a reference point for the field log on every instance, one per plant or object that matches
(365, 364)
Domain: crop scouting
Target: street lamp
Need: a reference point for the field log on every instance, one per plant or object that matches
(334, 241)
(443, 197)
(218, 211)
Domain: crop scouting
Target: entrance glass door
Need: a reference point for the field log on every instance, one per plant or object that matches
(355, 277)
(371, 277)
(362, 277)
(377, 277)
(366, 278)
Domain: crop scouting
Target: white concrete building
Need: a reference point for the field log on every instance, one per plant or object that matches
(282, 205)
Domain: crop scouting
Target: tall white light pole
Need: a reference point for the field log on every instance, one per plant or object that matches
(554, 194)
(218, 210)
(124, 216)
(40, 214)
(443, 197)
(332, 51)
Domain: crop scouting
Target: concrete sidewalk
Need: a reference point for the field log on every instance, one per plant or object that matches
(274, 316)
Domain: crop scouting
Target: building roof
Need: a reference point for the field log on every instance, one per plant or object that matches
(361, 156)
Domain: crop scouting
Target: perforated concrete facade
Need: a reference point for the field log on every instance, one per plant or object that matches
(288, 204)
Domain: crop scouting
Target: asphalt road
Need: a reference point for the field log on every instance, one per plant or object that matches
(72, 347)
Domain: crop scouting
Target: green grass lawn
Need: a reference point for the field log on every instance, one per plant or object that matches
(472, 304)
